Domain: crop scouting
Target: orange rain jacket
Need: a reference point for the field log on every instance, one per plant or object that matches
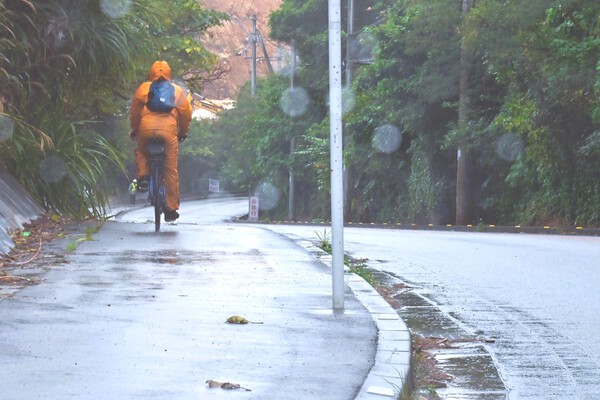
(146, 124)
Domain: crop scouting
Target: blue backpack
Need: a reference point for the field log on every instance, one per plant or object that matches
(161, 97)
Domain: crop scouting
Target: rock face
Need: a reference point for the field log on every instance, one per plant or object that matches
(231, 43)
(16, 208)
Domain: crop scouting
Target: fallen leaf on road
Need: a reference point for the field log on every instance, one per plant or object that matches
(225, 385)
(236, 319)
(14, 280)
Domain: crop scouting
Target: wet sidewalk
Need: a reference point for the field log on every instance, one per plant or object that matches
(135, 314)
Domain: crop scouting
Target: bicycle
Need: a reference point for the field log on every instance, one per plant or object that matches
(156, 192)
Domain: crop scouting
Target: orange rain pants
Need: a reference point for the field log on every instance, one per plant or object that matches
(147, 124)
(171, 174)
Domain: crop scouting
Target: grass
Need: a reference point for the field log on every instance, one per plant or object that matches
(89, 231)
(324, 241)
(358, 267)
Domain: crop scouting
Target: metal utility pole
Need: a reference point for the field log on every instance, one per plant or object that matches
(292, 179)
(463, 173)
(292, 184)
(253, 39)
(336, 153)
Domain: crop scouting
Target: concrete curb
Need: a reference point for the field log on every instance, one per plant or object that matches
(391, 374)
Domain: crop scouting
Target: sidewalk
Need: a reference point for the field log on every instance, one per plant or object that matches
(391, 373)
(122, 320)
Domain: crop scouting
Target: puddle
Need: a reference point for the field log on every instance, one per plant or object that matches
(425, 319)
(464, 356)
(475, 371)
(331, 311)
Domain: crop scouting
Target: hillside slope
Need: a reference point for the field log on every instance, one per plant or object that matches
(231, 42)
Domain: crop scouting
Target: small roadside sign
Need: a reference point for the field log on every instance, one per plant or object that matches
(213, 186)
(253, 208)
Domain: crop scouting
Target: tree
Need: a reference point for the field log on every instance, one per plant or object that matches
(546, 55)
(67, 68)
(530, 124)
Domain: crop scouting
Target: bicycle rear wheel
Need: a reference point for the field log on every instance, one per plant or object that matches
(157, 199)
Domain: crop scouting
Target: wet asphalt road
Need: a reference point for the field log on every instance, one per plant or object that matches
(531, 299)
(527, 306)
(529, 303)
(136, 314)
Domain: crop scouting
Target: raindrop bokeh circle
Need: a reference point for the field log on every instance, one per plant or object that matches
(115, 8)
(510, 146)
(294, 102)
(6, 127)
(268, 196)
(348, 100)
(52, 169)
(363, 46)
(387, 138)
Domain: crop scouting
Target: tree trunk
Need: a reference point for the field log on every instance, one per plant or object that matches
(464, 207)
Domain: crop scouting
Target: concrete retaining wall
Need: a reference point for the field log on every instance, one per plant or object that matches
(16, 209)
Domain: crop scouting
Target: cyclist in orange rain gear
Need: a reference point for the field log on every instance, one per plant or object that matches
(170, 126)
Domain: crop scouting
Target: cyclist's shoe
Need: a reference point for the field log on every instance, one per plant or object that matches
(171, 216)
(143, 184)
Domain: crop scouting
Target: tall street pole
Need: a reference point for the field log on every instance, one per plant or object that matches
(336, 153)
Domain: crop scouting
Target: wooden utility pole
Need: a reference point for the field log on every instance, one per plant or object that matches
(253, 39)
(464, 204)
(292, 179)
(265, 53)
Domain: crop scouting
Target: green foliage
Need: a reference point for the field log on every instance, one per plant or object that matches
(548, 60)
(532, 119)
(324, 241)
(355, 266)
(361, 269)
(303, 21)
(175, 37)
(197, 159)
(66, 61)
(70, 177)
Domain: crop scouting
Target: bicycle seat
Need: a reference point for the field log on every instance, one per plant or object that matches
(156, 147)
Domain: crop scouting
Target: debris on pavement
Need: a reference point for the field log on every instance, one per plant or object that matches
(225, 385)
(236, 319)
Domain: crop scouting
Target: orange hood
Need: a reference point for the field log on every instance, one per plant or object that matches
(160, 69)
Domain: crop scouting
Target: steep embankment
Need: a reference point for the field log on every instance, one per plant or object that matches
(16, 209)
